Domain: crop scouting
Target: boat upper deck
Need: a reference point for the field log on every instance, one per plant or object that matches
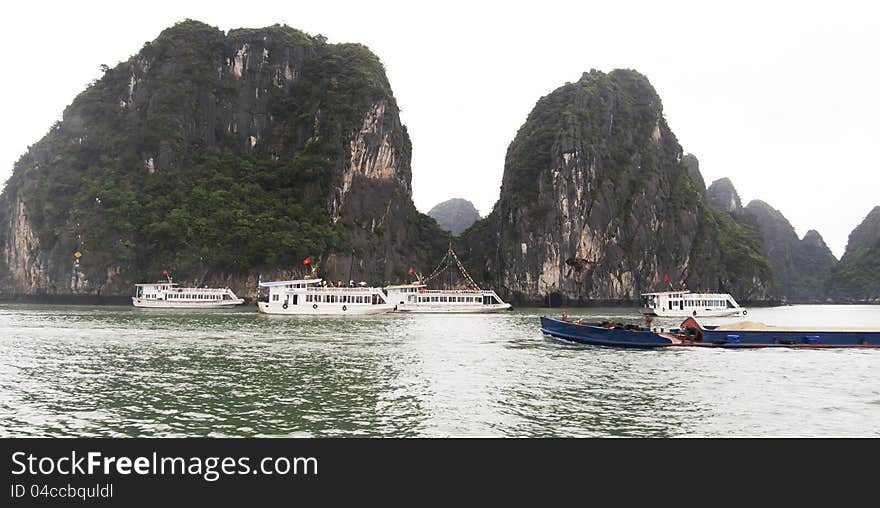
(338, 289)
(174, 288)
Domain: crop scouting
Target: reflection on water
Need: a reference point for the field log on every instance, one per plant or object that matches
(120, 371)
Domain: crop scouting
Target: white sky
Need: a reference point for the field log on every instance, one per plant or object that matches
(780, 97)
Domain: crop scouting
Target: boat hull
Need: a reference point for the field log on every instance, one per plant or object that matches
(324, 309)
(810, 339)
(591, 333)
(163, 304)
(700, 313)
(454, 308)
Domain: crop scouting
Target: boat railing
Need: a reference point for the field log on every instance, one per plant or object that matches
(336, 289)
(197, 290)
(456, 291)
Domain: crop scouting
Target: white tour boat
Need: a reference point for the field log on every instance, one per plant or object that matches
(685, 303)
(417, 298)
(169, 295)
(310, 297)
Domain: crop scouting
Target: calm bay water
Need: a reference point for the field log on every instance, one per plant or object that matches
(121, 371)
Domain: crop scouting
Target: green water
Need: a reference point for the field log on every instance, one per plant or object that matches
(121, 371)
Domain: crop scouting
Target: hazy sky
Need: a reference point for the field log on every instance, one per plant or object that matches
(780, 97)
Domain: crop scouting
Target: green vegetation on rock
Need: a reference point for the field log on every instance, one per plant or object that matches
(599, 203)
(211, 154)
(857, 277)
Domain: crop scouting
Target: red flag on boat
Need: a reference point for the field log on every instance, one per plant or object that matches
(165, 272)
(410, 271)
(307, 260)
(665, 277)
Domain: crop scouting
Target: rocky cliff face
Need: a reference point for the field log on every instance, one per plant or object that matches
(802, 266)
(223, 157)
(455, 215)
(857, 276)
(692, 164)
(865, 236)
(596, 204)
(722, 196)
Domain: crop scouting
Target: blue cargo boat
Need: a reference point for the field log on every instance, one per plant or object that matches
(693, 334)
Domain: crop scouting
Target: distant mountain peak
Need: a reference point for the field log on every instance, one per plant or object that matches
(455, 215)
(722, 196)
(813, 237)
(692, 164)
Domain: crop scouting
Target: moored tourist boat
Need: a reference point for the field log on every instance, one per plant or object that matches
(417, 298)
(169, 295)
(312, 297)
(463, 297)
(685, 303)
(694, 334)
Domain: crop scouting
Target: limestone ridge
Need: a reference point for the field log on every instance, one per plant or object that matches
(597, 204)
(223, 157)
(802, 266)
(455, 215)
(857, 277)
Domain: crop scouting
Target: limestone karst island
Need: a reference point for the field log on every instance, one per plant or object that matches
(229, 158)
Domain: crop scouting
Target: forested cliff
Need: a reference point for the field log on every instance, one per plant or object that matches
(856, 278)
(599, 203)
(220, 157)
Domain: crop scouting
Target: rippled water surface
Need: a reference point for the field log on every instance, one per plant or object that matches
(120, 371)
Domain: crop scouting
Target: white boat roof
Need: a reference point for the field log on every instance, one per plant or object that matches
(286, 282)
(401, 286)
(160, 283)
(683, 293)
